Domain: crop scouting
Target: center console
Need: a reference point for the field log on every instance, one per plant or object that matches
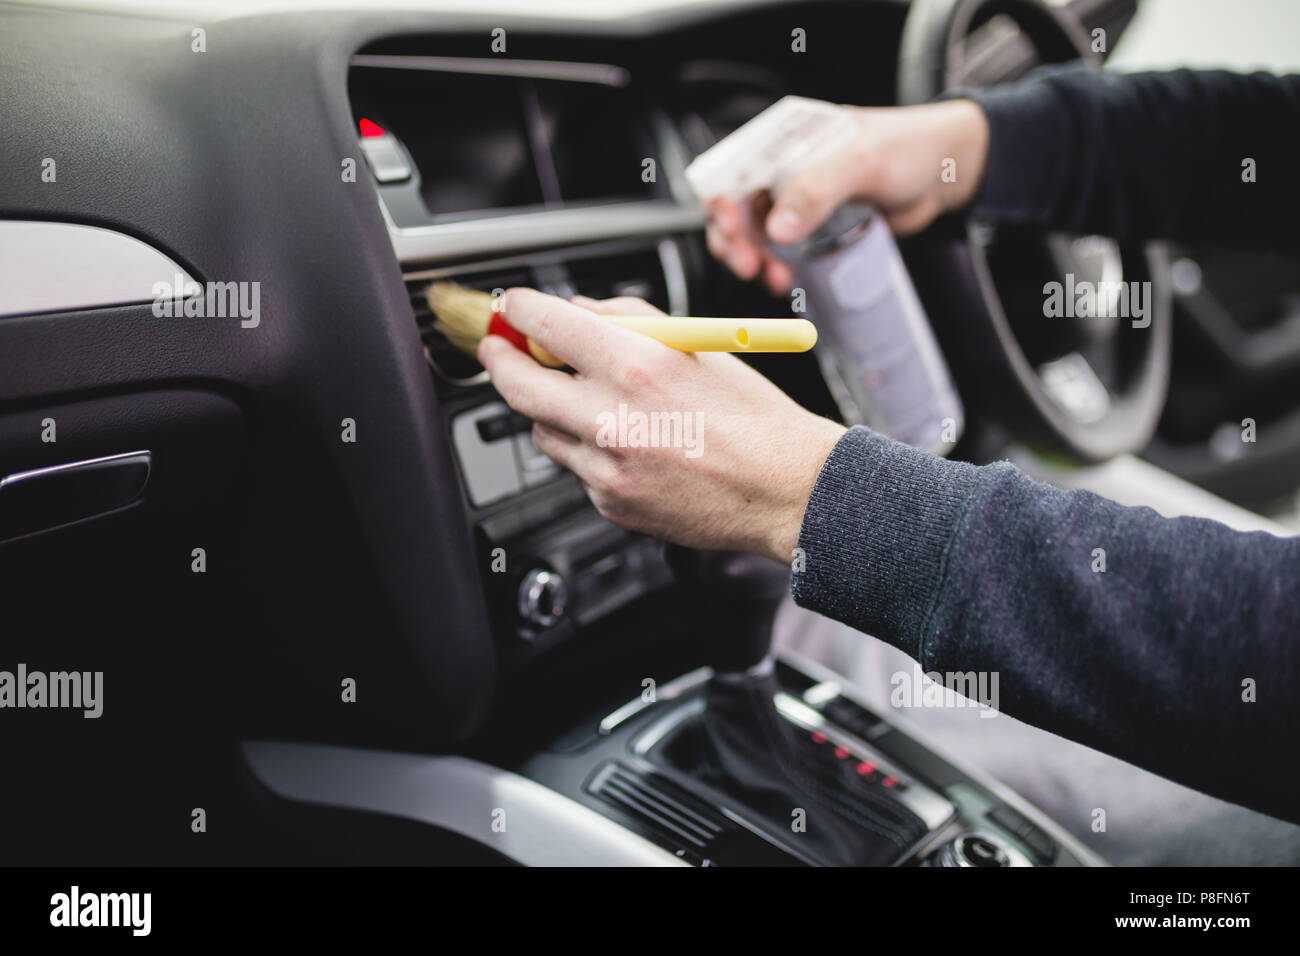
(886, 800)
(632, 786)
(760, 761)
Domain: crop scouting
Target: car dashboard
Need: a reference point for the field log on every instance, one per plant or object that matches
(498, 164)
(368, 508)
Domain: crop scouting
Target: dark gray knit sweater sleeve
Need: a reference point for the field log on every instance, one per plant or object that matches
(1145, 155)
(984, 569)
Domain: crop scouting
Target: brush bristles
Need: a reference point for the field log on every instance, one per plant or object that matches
(460, 314)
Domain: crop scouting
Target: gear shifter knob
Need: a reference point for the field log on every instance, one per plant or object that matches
(735, 595)
(741, 745)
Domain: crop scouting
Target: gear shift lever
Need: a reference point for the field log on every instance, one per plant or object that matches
(736, 596)
(743, 747)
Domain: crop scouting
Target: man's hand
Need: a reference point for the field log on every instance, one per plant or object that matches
(897, 161)
(736, 458)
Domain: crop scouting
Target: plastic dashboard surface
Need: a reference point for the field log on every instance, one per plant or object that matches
(228, 160)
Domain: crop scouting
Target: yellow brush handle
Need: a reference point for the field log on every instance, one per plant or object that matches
(688, 334)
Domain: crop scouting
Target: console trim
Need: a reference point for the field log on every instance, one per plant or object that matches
(673, 689)
(543, 827)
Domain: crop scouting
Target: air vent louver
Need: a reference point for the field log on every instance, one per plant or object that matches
(661, 805)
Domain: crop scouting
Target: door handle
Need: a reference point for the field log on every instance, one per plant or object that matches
(43, 499)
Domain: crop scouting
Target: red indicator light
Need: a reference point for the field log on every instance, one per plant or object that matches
(370, 130)
(841, 752)
(865, 768)
(818, 737)
(890, 782)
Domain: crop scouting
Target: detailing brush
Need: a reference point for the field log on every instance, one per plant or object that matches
(464, 316)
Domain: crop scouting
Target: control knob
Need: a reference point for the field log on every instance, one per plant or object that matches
(972, 850)
(542, 597)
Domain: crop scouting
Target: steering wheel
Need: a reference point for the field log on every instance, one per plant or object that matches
(1090, 387)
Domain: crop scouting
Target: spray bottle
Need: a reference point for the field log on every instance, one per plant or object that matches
(857, 288)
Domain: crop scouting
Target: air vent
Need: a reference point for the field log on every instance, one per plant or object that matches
(661, 805)
(602, 270)
(448, 362)
(686, 824)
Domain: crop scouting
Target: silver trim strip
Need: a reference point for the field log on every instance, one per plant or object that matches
(65, 266)
(660, 729)
(674, 688)
(471, 237)
(670, 259)
(822, 693)
(674, 157)
(611, 721)
(541, 827)
(145, 457)
(605, 74)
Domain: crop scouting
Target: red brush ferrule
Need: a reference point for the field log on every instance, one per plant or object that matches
(497, 325)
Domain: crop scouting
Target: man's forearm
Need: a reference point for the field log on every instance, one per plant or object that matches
(1185, 154)
(984, 569)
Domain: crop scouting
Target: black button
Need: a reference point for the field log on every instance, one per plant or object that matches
(849, 715)
(502, 426)
(1008, 819)
(1039, 843)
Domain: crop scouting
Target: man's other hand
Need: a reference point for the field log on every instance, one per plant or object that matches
(912, 162)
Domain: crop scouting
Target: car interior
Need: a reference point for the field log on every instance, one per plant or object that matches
(344, 610)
